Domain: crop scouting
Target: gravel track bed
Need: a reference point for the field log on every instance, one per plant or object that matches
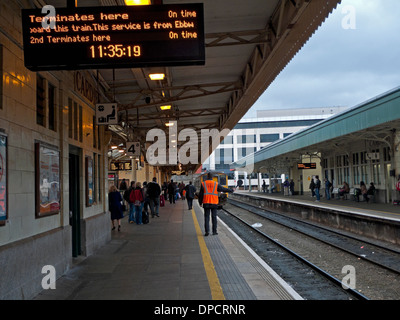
(372, 281)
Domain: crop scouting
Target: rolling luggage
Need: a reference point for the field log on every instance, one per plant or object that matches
(162, 201)
(145, 217)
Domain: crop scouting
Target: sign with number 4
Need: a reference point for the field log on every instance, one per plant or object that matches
(133, 149)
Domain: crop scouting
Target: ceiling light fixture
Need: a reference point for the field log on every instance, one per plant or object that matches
(166, 107)
(157, 76)
(137, 2)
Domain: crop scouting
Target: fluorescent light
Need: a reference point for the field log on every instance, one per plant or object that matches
(137, 2)
(157, 76)
(114, 147)
(166, 107)
(169, 124)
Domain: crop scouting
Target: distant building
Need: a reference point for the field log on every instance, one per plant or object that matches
(253, 134)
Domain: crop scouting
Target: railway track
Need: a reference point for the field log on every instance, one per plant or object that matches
(381, 261)
(383, 257)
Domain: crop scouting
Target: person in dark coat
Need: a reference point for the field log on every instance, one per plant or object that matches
(190, 192)
(154, 192)
(312, 187)
(115, 207)
(171, 192)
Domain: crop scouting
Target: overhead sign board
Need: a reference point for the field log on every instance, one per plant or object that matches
(306, 166)
(372, 156)
(133, 149)
(121, 166)
(106, 114)
(114, 37)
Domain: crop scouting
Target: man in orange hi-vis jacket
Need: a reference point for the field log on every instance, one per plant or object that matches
(208, 197)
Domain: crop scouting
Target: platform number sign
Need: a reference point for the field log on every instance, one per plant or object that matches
(133, 149)
(106, 114)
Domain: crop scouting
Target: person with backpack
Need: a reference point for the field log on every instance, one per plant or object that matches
(154, 192)
(131, 205)
(136, 197)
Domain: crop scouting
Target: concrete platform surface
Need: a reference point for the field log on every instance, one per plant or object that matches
(170, 259)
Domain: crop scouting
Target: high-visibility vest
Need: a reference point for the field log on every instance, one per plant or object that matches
(210, 192)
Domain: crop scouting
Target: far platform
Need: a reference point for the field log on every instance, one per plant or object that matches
(382, 210)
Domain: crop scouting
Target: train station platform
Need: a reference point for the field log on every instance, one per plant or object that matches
(171, 259)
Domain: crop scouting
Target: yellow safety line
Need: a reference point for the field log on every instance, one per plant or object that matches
(213, 281)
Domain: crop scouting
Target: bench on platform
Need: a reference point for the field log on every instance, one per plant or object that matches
(335, 193)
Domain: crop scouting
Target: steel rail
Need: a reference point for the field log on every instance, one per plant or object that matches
(360, 256)
(323, 273)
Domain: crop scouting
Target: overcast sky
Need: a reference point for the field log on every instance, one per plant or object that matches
(342, 67)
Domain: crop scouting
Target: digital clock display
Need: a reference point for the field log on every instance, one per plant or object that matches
(115, 51)
(114, 37)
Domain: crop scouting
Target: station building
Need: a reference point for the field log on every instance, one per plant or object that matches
(358, 144)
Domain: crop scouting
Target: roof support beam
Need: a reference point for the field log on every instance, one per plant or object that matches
(180, 93)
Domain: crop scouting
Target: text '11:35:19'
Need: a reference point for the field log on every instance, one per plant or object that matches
(115, 51)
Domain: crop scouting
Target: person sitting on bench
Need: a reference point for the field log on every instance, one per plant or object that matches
(371, 191)
(345, 189)
(364, 191)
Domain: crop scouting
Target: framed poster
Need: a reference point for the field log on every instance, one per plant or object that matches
(3, 180)
(89, 181)
(47, 176)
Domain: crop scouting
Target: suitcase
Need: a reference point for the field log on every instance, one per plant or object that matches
(145, 217)
(162, 201)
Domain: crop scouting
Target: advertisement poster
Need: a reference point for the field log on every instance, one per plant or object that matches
(3, 179)
(89, 181)
(47, 180)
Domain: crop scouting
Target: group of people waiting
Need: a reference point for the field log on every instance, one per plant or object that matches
(366, 193)
(288, 186)
(141, 198)
(345, 189)
(137, 197)
(174, 192)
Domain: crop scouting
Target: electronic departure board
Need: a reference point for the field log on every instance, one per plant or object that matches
(114, 37)
(306, 166)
